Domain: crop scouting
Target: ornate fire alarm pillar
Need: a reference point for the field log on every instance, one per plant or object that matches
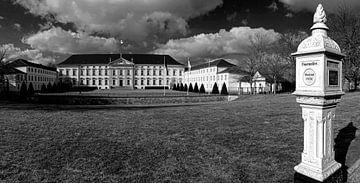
(318, 90)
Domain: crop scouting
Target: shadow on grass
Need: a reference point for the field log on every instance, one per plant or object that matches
(342, 142)
(341, 147)
(15, 105)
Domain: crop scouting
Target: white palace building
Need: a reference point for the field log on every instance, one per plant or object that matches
(135, 71)
(145, 71)
(221, 72)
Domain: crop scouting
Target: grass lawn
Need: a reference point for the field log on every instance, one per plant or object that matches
(130, 93)
(253, 139)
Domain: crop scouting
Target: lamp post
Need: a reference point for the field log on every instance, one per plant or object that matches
(318, 90)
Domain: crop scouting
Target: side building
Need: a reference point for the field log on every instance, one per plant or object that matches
(29, 72)
(134, 71)
(222, 72)
(217, 71)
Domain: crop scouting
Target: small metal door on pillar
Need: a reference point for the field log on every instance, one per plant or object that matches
(318, 90)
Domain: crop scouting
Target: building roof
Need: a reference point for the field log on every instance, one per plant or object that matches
(5, 70)
(97, 59)
(22, 63)
(235, 70)
(217, 62)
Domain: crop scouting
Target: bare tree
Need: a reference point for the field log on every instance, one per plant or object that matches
(259, 44)
(344, 27)
(3, 54)
(288, 44)
(274, 66)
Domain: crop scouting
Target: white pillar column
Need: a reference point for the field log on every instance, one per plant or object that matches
(317, 158)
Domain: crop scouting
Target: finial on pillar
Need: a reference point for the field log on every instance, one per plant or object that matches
(319, 21)
(320, 16)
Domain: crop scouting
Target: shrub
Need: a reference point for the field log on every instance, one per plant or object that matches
(191, 88)
(215, 89)
(196, 88)
(224, 90)
(174, 87)
(30, 91)
(23, 89)
(181, 87)
(185, 87)
(202, 88)
(178, 86)
(43, 88)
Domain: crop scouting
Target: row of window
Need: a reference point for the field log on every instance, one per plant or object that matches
(118, 72)
(202, 71)
(209, 78)
(32, 78)
(40, 71)
(120, 82)
(136, 67)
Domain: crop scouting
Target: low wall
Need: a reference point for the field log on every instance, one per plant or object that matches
(100, 100)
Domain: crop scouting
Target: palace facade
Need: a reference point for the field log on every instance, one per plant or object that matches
(135, 71)
(28, 72)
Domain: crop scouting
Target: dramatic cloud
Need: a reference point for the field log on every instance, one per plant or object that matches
(273, 6)
(66, 42)
(231, 17)
(244, 22)
(17, 26)
(1, 18)
(218, 44)
(329, 5)
(135, 20)
(33, 55)
(289, 15)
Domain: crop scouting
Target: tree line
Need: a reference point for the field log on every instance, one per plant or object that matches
(28, 90)
(195, 89)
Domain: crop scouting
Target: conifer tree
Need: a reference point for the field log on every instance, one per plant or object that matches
(43, 88)
(23, 89)
(181, 87)
(174, 87)
(54, 88)
(191, 88)
(215, 89)
(224, 90)
(196, 88)
(49, 87)
(202, 89)
(30, 91)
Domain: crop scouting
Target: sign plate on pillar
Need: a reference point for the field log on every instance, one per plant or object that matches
(309, 77)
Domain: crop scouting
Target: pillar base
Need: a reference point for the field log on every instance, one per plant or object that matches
(336, 177)
(315, 172)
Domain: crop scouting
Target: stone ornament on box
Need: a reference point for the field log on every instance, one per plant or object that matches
(319, 15)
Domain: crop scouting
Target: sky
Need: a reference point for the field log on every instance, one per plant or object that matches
(49, 31)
